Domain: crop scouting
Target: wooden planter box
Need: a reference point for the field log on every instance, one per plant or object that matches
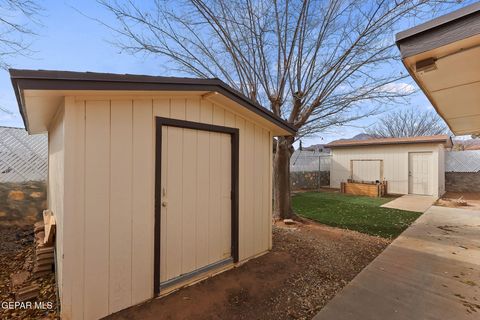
(371, 189)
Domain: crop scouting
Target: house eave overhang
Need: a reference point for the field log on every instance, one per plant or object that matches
(443, 57)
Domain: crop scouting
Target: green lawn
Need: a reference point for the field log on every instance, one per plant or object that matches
(359, 213)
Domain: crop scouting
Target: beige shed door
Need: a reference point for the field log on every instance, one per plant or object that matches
(195, 227)
(419, 177)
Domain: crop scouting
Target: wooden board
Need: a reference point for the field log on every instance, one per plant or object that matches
(364, 189)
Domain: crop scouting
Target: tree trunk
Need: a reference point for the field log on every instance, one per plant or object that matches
(282, 205)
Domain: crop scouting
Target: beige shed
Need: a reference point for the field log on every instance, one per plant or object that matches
(412, 165)
(155, 182)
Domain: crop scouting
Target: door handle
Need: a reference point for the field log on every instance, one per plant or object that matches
(164, 194)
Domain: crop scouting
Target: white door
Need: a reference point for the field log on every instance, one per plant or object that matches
(419, 173)
(195, 227)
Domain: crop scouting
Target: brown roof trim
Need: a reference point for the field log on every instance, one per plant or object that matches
(452, 27)
(70, 80)
(444, 139)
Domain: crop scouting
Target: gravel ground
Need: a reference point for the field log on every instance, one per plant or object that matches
(308, 265)
(16, 254)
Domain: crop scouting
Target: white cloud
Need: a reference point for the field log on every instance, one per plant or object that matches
(398, 87)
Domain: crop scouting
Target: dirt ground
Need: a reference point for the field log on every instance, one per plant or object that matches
(465, 200)
(16, 254)
(308, 265)
(21, 205)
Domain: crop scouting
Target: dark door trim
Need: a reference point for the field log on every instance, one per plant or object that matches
(234, 135)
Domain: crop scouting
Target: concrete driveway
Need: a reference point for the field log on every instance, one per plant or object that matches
(411, 202)
(431, 271)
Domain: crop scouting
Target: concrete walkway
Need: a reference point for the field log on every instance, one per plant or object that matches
(411, 202)
(431, 271)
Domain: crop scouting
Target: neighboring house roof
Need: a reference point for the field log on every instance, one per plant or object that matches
(462, 161)
(69, 80)
(444, 139)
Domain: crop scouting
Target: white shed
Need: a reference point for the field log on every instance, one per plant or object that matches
(155, 182)
(413, 165)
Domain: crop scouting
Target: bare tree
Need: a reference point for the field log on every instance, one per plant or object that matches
(16, 17)
(317, 64)
(409, 122)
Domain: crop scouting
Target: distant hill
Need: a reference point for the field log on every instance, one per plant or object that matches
(360, 136)
(321, 147)
(469, 144)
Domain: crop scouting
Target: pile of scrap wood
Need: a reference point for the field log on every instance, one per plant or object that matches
(23, 283)
(44, 254)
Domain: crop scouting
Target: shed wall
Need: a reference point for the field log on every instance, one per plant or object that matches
(395, 162)
(55, 188)
(110, 194)
(441, 170)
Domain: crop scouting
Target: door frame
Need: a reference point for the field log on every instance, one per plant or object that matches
(234, 136)
(410, 177)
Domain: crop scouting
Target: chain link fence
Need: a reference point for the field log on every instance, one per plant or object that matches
(309, 170)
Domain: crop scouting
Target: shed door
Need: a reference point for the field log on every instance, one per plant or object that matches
(195, 227)
(419, 177)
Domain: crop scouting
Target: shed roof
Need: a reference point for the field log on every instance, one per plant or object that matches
(68, 80)
(443, 139)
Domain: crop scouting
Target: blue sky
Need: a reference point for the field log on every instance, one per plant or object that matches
(70, 41)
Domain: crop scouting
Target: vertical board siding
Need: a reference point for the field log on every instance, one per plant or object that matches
(214, 217)
(56, 178)
(75, 200)
(203, 194)
(112, 196)
(121, 166)
(265, 213)
(97, 209)
(258, 190)
(173, 241)
(142, 201)
(242, 217)
(189, 165)
(367, 170)
(270, 190)
(250, 180)
(185, 210)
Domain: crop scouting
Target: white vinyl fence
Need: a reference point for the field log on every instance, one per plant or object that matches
(23, 157)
